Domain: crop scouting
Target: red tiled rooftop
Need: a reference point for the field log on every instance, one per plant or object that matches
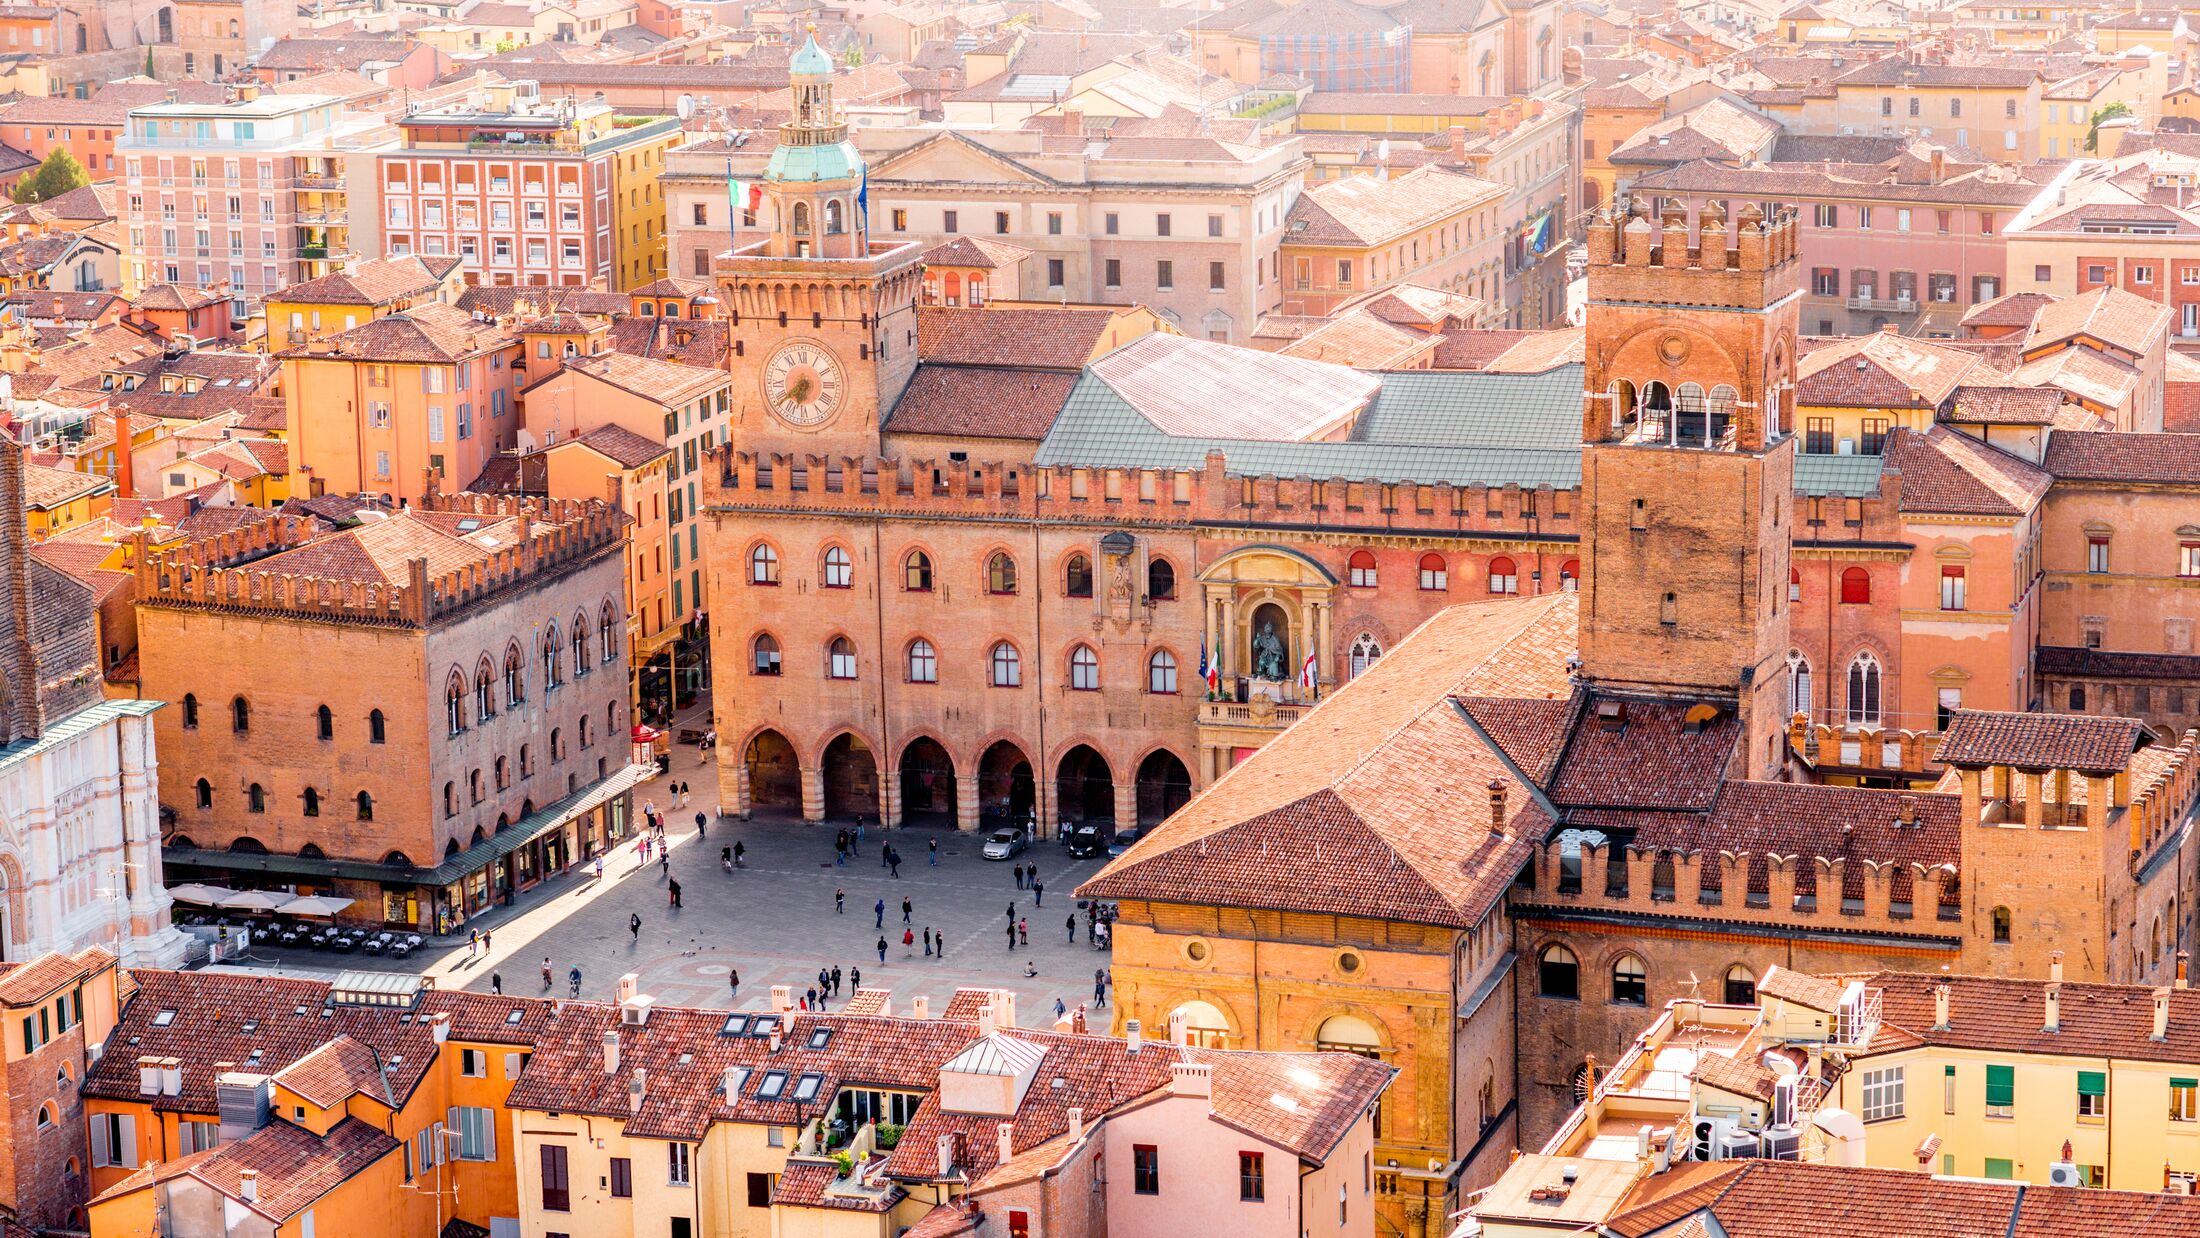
(2086, 744)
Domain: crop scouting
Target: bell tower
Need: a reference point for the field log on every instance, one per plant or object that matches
(1688, 461)
(824, 321)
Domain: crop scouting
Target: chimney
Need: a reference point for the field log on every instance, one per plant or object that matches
(148, 1076)
(1006, 1133)
(2053, 1021)
(1940, 165)
(944, 1155)
(636, 1088)
(611, 1053)
(1076, 1123)
(920, 1007)
(782, 998)
(1940, 1007)
(171, 1076)
(773, 1040)
(1191, 1079)
(1004, 1008)
(732, 1085)
(1905, 809)
(1132, 1036)
(628, 983)
(2161, 1015)
(986, 1024)
(2183, 957)
(1180, 1028)
(2054, 966)
(439, 1026)
(125, 478)
(248, 1185)
(1497, 808)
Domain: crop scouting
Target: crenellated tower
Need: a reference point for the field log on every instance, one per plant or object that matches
(1688, 459)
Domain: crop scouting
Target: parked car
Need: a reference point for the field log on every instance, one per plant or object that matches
(1124, 840)
(1006, 841)
(1089, 839)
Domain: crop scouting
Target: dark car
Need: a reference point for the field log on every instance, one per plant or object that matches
(1089, 839)
(1123, 841)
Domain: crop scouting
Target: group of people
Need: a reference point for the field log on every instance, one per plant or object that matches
(1027, 878)
(846, 842)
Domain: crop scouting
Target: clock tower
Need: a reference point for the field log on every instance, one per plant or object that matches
(824, 321)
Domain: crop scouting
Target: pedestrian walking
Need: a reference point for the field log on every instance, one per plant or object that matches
(1019, 876)
(1012, 915)
(825, 981)
(1099, 986)
(1038, 893)
(928, 941)
(740, 850)
(882, 949)
(905, 911)
(733, 982)
(932, 851)
(836, 981)
(880, 909)
(599, 868)
(1031, 875)
(893, 861)
(1012, 937)
(634, 925)
(1061, 1009)
(496, 983)
(700, 832)
(908, 940)
(1071, 925)
(664, 860)
(488, 941)
(546, 971)
(939, 945)
(859, 834)
(574, 976)
(840, 899)
(1023, 931)
(809, 999)
(840, 847)
(674, 888)
(855, 977)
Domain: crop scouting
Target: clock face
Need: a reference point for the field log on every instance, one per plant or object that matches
(803, 383)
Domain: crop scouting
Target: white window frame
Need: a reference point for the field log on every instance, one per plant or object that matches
(1885, 1094)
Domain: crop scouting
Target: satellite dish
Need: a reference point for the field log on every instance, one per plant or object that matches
(686, 107)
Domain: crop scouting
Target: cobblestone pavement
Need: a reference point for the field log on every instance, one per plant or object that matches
(773, 920)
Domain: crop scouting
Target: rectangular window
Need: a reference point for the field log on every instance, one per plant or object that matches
(950, 221)
(1943, 220)
(1947, 1089)
(622, 1178)
(2001, 1091)
(1114, 224)
(1818, 436)
(2096, 555)
(900, 219)
(1875, 436)
(1955, 106)
(473, 1063)
(2092, 1093)
(1997, 1167)
(1054, 272)
(1951, 587)
(1054, 223)
(1115, 273)
(1000, 223)
(1145, 1169)
(1828, 215)
(1864, 218)
(1252, 1184)
(1214, 225)
(2188, 559)
(1161, 225)
(1825, 282)
(557, 1192)
(1164, 275)
(1883, 1094)
(1344, 272)
(760, 1187)
(1214, 277)
(2142, 274)
(2184, 1100)
(477, 1131)
(1902, 220)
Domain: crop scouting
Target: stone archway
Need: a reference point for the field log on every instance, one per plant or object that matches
(850, 771)
(927, 784)
(775, 774)
(1006, 786)
(1084, 786)
(1164, 785)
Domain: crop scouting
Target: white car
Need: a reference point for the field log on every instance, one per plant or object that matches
(1006, 842)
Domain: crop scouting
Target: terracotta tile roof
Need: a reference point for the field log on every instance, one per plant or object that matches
(380, 552)
(867, 1001)
(700, 342)
(1831, 822)
(2104, 380)
(1367, 210)
(1880, 370)
(678, 286)
(967, 1004)
(620, 445)
(27, 984)
(1815, 992)
(45, 488)
(1719, 130)
(2106, 456)
(1323, 1094)
(2005, 406)
(1540, 353)
(2087, 744)
(1668, 1198)
(1027, 338)
(1745, 1077)
(980, 402)
(1532, 733)
(802, 1185)
(497, 302)
(1386, 822)
(1361, 339)
(345, 53)
(295, 1166)
(975, 251)
(2075, 661)
(175, 297)
(1944, 471)
(2009, 1016)
(1472, 350)
(667, 382)
(2117, 318)
(432, 333)
(1417, 305)
(335, 1071)
(1652, 761)
(2056, 1213)
(1897, 71)
(947, 1221)
(377, 281)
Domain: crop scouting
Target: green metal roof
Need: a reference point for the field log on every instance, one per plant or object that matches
(807, 164)
(1852, 477)
(811, 61)
(1465, 428)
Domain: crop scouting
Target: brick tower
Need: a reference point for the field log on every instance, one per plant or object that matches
(1688, 462)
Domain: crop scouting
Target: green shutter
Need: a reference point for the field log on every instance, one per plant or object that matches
(2092, 1083)
(1996, 1167)
(2001, 1085)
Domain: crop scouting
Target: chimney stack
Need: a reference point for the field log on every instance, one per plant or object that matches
(2161, 1015)
(1940, 1007)
(1132, 1036)
(611, 1053)
(2054, 966)
(439, 1026)
(1076, 1123)
(1006, 1133)
(986, 1024)
(1191, 1079)
(1180, 1028)
(636, 1088)
(248, 1185)
(2053, 1022)
(1906, 809)
(920, 1007)
(125, 478)
(624, 991)
(732, 1085)
(1004, 1008)
(1497, 807)
(782, 998)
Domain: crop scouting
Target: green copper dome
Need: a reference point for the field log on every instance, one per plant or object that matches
(834, 161)
(811, 61)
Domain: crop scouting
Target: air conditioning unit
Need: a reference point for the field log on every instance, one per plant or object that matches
(1737, 1145)
(1781, 1146)
(1710, 1137)
(1783, 1101)
(2063, 1173)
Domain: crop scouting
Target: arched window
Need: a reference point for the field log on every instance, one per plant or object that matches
(801, 218)
(503, 773)
(366, 806)
(763, 565)
(916, 572)
(1795, 584)
(924, 662)
(840, 659)
(1365, 649)
(1741, 986)
(526, 761)
(1360, 569)
(1558, 973)
(378, 731)
(324, 723)
(766, 650)
(485, 696)
(1504, 575)
(1856, 586)
(553, 655)
(587, 730)
(240, 716)
(2001, 924)
(313, 802)
(1348, 1033)
(1569, 576)
(1008, 667)
(255, 798)
(473, 786)
(606, 623)
(1434, 578)
(580, 645)
(557, 744)
(833, 217)
(205, 793)
(1161, 672)
(454, 703)
(1160, 581)
(839, 568)
(1630, 982)
(1864, 690)
(1000, 573)
(1798, 683)
(190, 711)
(1084, 669)
(1077, 577)
(515, 678)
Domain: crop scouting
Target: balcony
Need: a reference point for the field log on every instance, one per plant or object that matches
(1899, 305)
(322, 219)
(313, 253)
(1260, 713)
(321, 180)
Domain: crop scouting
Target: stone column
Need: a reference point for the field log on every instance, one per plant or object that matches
(1229, 637)
(1325, 651)
(2035, 799)
(966, 802)
(1305, 644)
(733, 782)
(813, 793)
(1126, 802)
(889, 800)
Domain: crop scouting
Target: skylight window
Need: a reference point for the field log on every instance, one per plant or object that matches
(764, 1025)
(736, 1024)
(821, 1037)
(775, 1082)
(514, 1017)
(164, 1018)
(805, 1088)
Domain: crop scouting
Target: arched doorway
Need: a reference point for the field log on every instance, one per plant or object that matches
(851, 777)
(1006, 788)
(1164, 785)
(167, 26)
(775, 776)
(1268, 644)
(1084, 786)
(1204, 1024)
(927, 784)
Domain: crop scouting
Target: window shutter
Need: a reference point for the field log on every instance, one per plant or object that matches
(2185, 1083)
(2001, 1085)
(511, 1065)
(487, 1119)
(103, 1152)
(126, 1141)
(2092, 1083)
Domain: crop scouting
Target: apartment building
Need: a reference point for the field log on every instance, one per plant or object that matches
(1429, 227)
(529, 191)
(1990, 108)
(1532, 146)
(251, 191)
(2131, 221)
